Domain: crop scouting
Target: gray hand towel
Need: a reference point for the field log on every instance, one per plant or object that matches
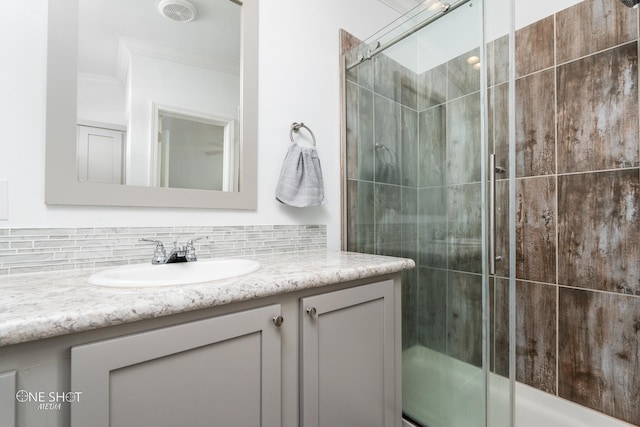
(300, 182)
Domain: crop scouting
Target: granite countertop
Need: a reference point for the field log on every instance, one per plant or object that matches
(38, 306)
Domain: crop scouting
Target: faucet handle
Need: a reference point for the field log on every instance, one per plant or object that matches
(190, 242)
(191, 249)
(159, 254)
(144, 239)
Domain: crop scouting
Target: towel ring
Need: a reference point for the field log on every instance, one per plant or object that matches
(295, 127)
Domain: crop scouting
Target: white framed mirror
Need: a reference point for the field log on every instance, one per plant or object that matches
(175, 124)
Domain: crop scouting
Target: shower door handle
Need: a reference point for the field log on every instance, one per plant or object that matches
(492, 214)
(493, 170)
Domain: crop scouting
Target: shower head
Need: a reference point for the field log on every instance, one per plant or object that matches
(631, 3)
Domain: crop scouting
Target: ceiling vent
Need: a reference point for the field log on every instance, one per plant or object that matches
(178, 10)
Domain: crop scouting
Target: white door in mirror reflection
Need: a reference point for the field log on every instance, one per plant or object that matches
(100, 154)
(195, 151)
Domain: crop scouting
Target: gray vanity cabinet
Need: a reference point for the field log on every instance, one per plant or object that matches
(334, 362)
(349, 358)
(221, 371)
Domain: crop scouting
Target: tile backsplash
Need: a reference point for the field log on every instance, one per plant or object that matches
(32, 250)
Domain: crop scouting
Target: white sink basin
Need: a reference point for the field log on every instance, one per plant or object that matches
(181, 273)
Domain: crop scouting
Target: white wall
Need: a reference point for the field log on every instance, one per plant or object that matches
(299, 81)
(101, 99)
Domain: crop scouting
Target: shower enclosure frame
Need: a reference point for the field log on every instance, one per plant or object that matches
(488, 169)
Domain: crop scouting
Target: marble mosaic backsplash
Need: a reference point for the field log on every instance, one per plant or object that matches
(32, 250)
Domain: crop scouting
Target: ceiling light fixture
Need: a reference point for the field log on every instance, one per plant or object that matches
(473, 60)
(436, 5)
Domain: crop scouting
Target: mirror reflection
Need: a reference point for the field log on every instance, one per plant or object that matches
(196, 152)
(159, 93)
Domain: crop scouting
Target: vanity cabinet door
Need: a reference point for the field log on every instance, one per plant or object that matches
(8, 399)
(222, 371)
(348, 367)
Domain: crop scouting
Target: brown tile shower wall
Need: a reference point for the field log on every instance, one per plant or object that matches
(577, 207)
(449, 288)
(412, 146)
(382, 166)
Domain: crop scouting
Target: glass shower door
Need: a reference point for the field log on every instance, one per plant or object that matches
(423, 114)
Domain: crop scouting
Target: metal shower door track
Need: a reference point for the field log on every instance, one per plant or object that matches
(445, 9)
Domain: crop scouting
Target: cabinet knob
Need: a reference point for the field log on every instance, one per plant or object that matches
(311, 311)
(278, 320)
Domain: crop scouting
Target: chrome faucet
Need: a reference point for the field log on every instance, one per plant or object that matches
(186, 253)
